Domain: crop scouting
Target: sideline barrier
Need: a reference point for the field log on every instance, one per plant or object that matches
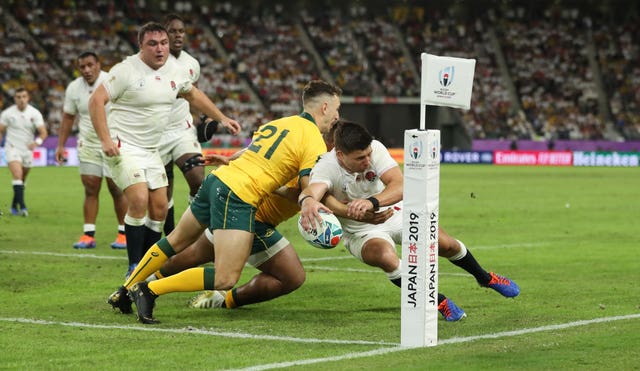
(45, 157)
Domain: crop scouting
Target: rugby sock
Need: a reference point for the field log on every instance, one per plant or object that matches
(169, 222)
(231, 299)
(89, 229)
(396, 276)
(152, 233)
(441, 298)
(18, 194)
(151, 262)
(134, 230)
(121, 228)
(465, 260)
(194, 279)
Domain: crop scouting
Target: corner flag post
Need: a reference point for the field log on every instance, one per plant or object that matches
(445, 81)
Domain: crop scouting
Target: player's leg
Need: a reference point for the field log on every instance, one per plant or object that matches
(189, 229)
(120, 208)
(280, 275)
(156, 213)
(137, 196)
(169, 223)
(458, 254)
(232, 247)
(198, 253)
(15, 167)
(192, 170)
(92, 185)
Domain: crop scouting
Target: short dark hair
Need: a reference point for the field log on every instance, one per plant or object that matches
(349, 136)
(316, 88)
(20, 89)
(87, 55)
(170, 18)
(148, 28)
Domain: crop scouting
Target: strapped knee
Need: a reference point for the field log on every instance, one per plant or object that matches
(195, 160)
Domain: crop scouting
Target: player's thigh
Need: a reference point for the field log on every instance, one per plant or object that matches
(186, 232)
(231, 248)
(16, 169)
(375, 241)
(137, 165)
(157, 208)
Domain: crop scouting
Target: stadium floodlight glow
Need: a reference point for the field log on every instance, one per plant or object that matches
(445, 81)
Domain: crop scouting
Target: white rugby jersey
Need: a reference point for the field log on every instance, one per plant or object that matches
(142, 98)
(180, 113)
(76, 102)
(21, 126)
(346, 186)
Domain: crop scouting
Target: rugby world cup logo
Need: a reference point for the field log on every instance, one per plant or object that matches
(434, 150)
(416, 150)
(446, 76)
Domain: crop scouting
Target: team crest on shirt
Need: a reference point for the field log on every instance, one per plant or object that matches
(190, 71)
(173, 85)
(371, 175)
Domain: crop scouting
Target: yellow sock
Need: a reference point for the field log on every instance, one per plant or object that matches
(150, 262)
(229, 301)
(189, 280)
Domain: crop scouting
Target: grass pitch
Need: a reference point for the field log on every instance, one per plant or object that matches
(567, 236)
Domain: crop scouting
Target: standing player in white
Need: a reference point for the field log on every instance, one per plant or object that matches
(361, 173)
(93, 166)
(20, 121)
(179, 142)
(142, 90)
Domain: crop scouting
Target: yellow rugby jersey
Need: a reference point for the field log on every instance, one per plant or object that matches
(281, 150)
(276, 209)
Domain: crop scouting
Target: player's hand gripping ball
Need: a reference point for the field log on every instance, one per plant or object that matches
(325, 236)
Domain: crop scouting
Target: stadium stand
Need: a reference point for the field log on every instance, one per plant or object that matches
(544, 71)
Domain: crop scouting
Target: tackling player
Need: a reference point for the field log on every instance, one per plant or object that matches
(226, 203)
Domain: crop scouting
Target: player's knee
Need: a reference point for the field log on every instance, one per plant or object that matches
(293, 282)
(448, 248)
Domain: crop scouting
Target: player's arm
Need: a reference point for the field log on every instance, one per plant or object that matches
(63, 135)
(391, 194)
(220, 160)
(341, 209)
(97, 103)
(201, 102)
(309, 202)
(39, 139)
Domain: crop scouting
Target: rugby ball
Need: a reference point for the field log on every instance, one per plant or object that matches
(325, 236)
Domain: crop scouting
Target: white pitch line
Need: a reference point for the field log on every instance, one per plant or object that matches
(382, 351)
(193, 330)
(64, 255)
(68, 255)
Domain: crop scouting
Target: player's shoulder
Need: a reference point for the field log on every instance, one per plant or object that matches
(188, 58)
(75, 84)
(377, 145)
